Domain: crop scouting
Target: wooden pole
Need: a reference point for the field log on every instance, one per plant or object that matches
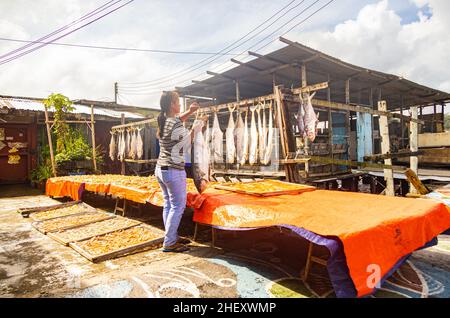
(305, 140)
(122, 164)
(347, 116)
(238, 94)
(402, 125)
(287, 145)
(385, 148)
(94, 152)
(330, 127)
(50, 142)
(413, 143)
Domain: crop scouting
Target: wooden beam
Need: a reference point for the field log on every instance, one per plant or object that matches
(50, 142)
(361, 109)
(385, 148)
(137, 123)
(122, 164)
(94, 153)
(392, 155)
(413, 142)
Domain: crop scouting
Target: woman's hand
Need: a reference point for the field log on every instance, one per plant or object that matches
(194, 107)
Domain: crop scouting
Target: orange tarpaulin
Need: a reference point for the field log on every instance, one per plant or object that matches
(374, 229)
(63, 188)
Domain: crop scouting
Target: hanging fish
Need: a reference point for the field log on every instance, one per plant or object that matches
(261, 132)
(269, 146)
(127, 143)
(139, 144)
(311, 119)
(122, 146)
(253, 153)
(300, 117)
(245, 140)
(132, 150)
(112, 146)
(217, 140)
(199, 157)
(239, 137)
(229, 136)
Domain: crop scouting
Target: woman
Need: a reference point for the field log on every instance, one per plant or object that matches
(170, 172)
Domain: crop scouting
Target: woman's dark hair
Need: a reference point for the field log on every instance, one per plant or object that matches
(165, 102)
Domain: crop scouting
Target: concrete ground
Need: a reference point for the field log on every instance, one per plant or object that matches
(261, 263)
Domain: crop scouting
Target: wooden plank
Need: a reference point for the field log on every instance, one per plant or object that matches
(134, 124)
(50, 142)
(413, 146)
(84, 206)
(392, 155)
(362, 109)
(25, 212)
(94, 154)
(434, 139)
(134, 248)
(416, 183)
(56, 235)
(36, 224)
(385, 148)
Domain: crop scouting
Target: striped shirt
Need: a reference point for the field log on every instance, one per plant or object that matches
(173, 141)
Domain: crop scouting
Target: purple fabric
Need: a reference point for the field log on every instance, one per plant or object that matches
(81, 190)
(336, 264)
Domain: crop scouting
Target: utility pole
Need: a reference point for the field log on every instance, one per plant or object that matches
(116, 90)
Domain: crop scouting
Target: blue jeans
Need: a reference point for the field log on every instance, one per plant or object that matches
(173, 186)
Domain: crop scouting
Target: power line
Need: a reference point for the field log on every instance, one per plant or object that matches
(116, 48)
(183, 71)
(86, 16)
(72, 31)
(290, 29)
(254, 45)
(141, 89)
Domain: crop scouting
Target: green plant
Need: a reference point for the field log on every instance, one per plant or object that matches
(61, 106)
(41, 173)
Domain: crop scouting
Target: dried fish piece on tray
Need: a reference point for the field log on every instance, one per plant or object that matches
(265, 187)
(119, 243)
(64, 211)
(93, 229)
(71, 221)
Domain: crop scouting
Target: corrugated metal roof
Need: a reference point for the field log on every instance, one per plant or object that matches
(36, 105)
(256, 79)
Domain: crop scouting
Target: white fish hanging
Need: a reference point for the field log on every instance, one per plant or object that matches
(139, 144)
(112, 146)
(245, 140)
(300, 117)
(253, 153)
(239, 137)
(122, 146)
(261, 132)
(217, 140)
(200, 158)
(311, 119)
(132, 150)
(268, 148)
(127, 144)
(229, 136)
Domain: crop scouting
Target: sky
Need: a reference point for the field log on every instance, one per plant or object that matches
(408, 38)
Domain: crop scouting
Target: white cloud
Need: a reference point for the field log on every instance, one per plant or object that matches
(377, 39)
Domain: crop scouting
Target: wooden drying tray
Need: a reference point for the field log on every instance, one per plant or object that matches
(83, 208)
(298, 188)
(25, 212)
(60, 239)
(121, 252)
(36, 224)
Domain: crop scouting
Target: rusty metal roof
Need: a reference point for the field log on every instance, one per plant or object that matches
(256, 79)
